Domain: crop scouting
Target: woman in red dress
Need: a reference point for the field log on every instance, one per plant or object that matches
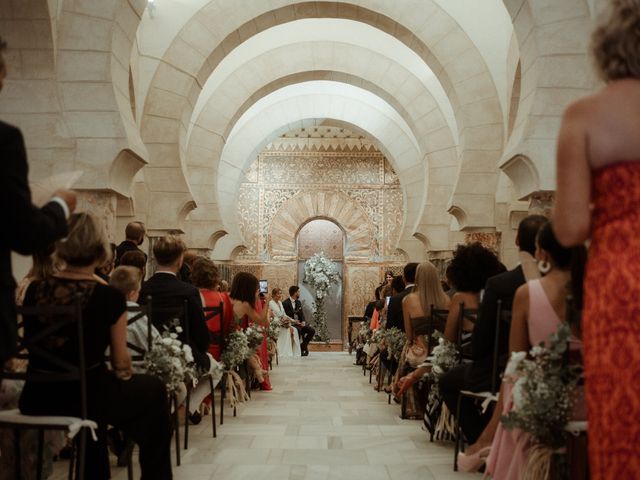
(205, 276)
(247, 307)
(598, 197)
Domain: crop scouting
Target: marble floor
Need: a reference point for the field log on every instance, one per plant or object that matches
(322, 421)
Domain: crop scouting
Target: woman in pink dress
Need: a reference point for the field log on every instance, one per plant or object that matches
(538, 309)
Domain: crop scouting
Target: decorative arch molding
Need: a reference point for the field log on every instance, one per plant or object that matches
(330, 205)
(215, 236)
(523, 173)
(123, 170)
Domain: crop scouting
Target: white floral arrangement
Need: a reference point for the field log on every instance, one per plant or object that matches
(394, 339)
(255, 337)
(320, 273)
(236, 350)
(444, 357)
(273, 330)
(170, 359)
(544, 385)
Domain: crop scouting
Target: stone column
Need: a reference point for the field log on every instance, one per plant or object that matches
(103, 204)
(541, 203)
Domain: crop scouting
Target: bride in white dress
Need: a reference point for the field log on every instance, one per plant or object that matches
(288, 339)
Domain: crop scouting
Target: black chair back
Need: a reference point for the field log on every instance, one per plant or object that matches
(54, 319)
(437, 322)
(503, 321)
(138, 312)
(212, 312)
(464, 345)
(166, 309)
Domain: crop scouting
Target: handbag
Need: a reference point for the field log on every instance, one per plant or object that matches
(417, 352)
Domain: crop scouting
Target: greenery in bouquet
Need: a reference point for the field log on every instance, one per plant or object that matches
(320, 273)
(236, 350)
(543, 390)
(377, 337)
(444, 358)
(170, 359)
(254, 338)
(364, 333)
(273, 330)
(394, 339)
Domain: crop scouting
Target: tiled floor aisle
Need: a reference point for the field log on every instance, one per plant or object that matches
(321, 421)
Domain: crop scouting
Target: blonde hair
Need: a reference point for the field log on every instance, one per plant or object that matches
(168, 249)
(126, 279)
(429, 288)
(85, 243)
(614, 43)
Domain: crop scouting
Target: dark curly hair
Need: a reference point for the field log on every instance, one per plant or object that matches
(471, 266)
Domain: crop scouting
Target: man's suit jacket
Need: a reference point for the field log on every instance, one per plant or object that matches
(290, 310)
(394, 309)
(499, 287)
(124, 247)
(25, 228)
(167, 291)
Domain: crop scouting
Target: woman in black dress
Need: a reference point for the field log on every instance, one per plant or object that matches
(137, 404)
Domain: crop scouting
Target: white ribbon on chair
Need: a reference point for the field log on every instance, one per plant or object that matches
(75, 427)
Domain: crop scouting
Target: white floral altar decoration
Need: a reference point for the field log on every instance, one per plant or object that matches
(320, 273)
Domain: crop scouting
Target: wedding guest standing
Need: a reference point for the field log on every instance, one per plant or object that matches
(25, 227)
(598, 197)
(134, 233)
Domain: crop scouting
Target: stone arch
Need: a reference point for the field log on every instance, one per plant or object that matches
(553, 43)
(215, 236)
(328, 204)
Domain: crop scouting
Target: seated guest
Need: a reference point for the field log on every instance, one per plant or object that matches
(288, 339)
(224, 286)
(134, 232)
(185, 271)
(394, 307)
(104, 270)
(476, 376)
(539, 307)
(43, 266)
(137, 404)
(247, 309)
(293, 308)
(135, 258)
(205, 277)
(127, 280)
(169, 294)
(469, 270)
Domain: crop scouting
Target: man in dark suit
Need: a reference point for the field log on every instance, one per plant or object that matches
(169, 293)
(293, 308)
(394, 309)
(25, 227)
(134, 233)
(476, 376)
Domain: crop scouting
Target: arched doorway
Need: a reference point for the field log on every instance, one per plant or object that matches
(322, 235)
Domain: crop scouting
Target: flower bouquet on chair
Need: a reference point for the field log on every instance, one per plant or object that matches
(235, 352)
(170, 359)
(544, 387)
(255, 337)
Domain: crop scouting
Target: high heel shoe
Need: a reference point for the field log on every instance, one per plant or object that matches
(473, 462)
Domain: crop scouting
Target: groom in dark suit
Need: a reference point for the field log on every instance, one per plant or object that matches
(25, 228)
(293, 308)
(476, 376)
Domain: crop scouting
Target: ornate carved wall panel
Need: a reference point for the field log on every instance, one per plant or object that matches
(359, 286)
(321, 236)
(490, 240)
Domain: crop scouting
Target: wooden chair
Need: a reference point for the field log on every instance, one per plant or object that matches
(62, 317)
(503, 320)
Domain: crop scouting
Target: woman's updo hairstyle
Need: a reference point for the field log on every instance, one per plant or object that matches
(615, 43)
(86, 243)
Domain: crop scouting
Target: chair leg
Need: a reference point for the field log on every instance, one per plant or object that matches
(176, 426)
(458, 435)
(187, 412)
(40, 454)
(129, 448)
(213, 407)
(72, 460)
(403, 405)
(82, 453)
(16, 439)
(223, 389)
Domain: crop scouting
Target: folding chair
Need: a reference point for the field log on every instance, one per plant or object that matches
(215, 339)
(503, 320)
(36, 347)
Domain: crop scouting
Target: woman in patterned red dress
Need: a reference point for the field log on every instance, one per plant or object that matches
(598, 197)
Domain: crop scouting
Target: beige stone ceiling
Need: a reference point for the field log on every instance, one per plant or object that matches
(166, 111)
